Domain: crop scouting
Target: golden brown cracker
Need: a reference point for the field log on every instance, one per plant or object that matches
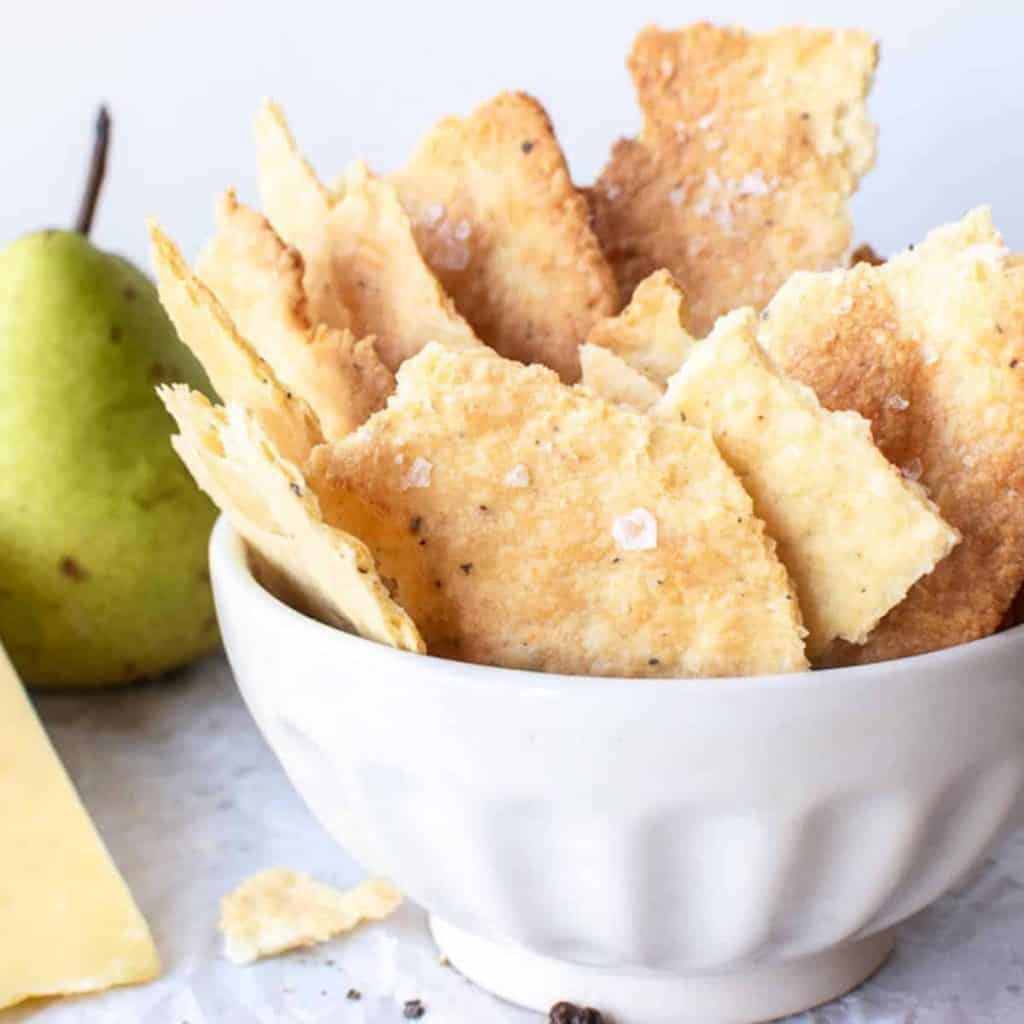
(651, 334)
(559, 532)
(234, 367)
(853, 533)
(930, 348)
(267, 500)
(613, 379)
(258, 279)
(499, 221)
(359, 249)
(750, 147)
(279, 910)
(298, 205)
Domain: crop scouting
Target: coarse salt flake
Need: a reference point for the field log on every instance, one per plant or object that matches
(677, 195)
(517, 476)
(462, 230)
(706, 122)
(912, 470)
(418, 474)
(929, 357)
(752, 184)
(612, 192)
(637, 531)
(897, 403)
(433, 214)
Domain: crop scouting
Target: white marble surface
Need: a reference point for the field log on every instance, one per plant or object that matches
(191, 801)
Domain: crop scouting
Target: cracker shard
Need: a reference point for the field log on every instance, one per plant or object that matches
(651, 334)
(258, 279)
(279, 910)
(930, 348)
(234, 367)
(326, 571)
(612, 378)
(750, 147)
(853, 533)
(499, 221)
(358, 246)
(548, 585)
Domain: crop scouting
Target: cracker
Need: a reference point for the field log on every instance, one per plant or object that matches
(359, 249)
(269, 503)
(559, 532)
(258, 279)
(613, 379)
(853, 533)
(278, 910)
(298, 206)
(930, 348)
(499, 221)
(651, 333)
(750, 147)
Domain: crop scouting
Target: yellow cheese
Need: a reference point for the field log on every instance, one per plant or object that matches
(67, 920)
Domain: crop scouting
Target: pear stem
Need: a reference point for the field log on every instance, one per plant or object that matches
(97, 169)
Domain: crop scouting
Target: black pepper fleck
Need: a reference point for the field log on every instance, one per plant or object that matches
(415, 523)
(354, 994)
(527, 146)
(130, 293)
(364, 571)
(484, 508)
(616, 560)
(466, 567)
(295, 489)
(422, 542)
(653, 661)
(570, 1013)
(1014, 363)
(413, 1009)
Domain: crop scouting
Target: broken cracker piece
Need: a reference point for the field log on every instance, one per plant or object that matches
(499, 221)
(750, 147)
(359, 249)
(558, 532)
(853, 533)
(268, 502)
(279, 910)
(610, 377)
(930, 348)
(651, 333)
(298, 205)
(234, 367)
(258, 279)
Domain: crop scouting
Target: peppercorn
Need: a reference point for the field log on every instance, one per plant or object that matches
(570, 1013)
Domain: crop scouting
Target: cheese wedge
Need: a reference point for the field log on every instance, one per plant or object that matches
(70, 924)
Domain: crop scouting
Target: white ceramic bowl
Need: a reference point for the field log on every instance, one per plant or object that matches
(717, 851)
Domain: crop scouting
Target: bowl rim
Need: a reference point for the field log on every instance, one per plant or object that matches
(229, 562)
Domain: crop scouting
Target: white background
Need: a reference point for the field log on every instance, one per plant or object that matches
(366, 79)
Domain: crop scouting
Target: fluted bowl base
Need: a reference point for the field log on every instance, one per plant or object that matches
(759, 993)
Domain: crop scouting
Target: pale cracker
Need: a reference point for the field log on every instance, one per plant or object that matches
(750, 147)
(298, 206)
(268, 502)
(258, 279)
(499, 221)
(651, 333)
(610, 377)
(234, 367)
(930, 348)
(853, 533)
(359, 247)
(528, 525)
(279, 910)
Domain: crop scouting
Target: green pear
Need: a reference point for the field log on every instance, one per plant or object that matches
(103, 534)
